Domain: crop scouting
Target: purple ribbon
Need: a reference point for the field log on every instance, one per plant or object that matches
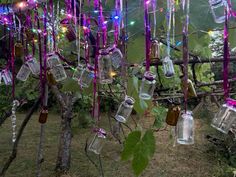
(226, 57)
(147, 35)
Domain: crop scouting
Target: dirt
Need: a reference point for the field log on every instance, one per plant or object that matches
(198, 160)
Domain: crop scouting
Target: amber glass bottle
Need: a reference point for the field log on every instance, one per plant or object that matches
(173, 115)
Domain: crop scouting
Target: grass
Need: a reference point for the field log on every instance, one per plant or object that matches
(198, 160)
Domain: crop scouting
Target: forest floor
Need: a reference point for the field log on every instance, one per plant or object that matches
(198, 160)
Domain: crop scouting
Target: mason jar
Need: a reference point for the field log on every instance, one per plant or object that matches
(125, 109)
(191, 92)
(116, 57)
(7, 76)
(104, 67)
(23, 73)
(185, 128)
(78, 72)
(33, 65)
(155, 49)
(53, 60)
(168, 67)
(86, 77)
(147, 86)
(173, 115)
(218, 10)
(58, 73)
(226, 116)
(19, 49)
(98, 141)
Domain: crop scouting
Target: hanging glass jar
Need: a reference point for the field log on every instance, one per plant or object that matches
(191, 89)
(185, 128)
(125, 109)
(155, 49)
(226, 116)
(98, 141)
(104, 67)
(173, 115)
(50, 78)
(148, 86)
(86, 77)
(43, 116)
(168, 67)
(57, 68)
(78, 72)
(33, 65)
(218, 10)
(23, 73)
(116, 57)
(7, 77)
(19, 50)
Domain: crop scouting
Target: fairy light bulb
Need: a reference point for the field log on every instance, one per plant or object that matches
(113, 74)
(64, 29)
(132, 23)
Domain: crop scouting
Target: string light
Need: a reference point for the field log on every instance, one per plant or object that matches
(132, 23)
(64, 29)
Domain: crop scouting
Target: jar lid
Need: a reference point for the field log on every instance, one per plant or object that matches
(101, 132)
(129, 100)
(231, 102)
(149, 75)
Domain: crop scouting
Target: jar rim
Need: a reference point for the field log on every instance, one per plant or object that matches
(129, 100)
(149, 75)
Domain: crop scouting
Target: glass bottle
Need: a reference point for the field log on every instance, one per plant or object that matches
(218, 10)
(104, 67)
(185, 128)
(7, 77)
(33, 65)
(168, 67)
(98, 141)
(226, 116)
(173, 115)
(50, 78)
(116, 57)
(53, 60)
(58, 73)
(86, 77)
(125, 109)
(19, 50)
(148, 86)
(154, 49)
(43, 116)
(23, 73)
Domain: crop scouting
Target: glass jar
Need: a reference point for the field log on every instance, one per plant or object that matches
(168, 67)
(104, 67)
(98, 141)
(23, 73)
(53, 60)
(148, 86)
(50, 78)
(125, 109)
(185, 128)
(19, 50)
(116, 57)
(173, 115)
(218, 10)
(33, 65)
(43, 116)
(58, 73)
(155, 49)
(226, 116)
(86, 77)
(78, 72)
(7, 77)
(191, 89)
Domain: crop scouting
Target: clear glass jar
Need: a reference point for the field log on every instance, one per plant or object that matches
(53, 60)
(168, 67)
(185, 128)
(218, 10)
(116, 57)
(226, 116)
(125, 109)
(58, 73)
(23, 73)
(7, 77)
(104, 67)
(98, 141)
(78, 72)
(86, 77)
(155, 49)
(33, 65)
(148, 86)
(173, 115)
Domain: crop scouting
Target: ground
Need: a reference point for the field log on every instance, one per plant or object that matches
(199, 160)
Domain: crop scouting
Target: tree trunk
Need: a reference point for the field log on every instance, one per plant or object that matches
(64, 149)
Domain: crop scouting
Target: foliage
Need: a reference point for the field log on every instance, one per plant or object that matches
(159, 112)
(139, 149)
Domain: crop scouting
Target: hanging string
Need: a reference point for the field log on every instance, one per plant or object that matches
(116, 21)
(147, 34)
(168, 19)
(103, 24)
(226, 56)
(51, 9)
(185, 50)
(154, 19)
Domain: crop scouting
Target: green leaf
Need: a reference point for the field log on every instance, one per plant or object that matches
(149, 142)
(159, 113)
(130, 143)
(140, 160)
